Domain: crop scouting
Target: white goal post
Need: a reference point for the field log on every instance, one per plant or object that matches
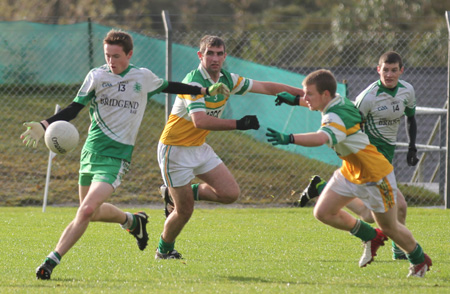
(51, 155)
(447, 159)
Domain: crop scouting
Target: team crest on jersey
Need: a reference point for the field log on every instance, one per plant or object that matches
(327, 121)
(137, 87)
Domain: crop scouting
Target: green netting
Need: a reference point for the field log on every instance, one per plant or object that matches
(283, 118)
(60, 54)
(63, 54)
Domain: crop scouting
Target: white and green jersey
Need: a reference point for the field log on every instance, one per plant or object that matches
(180, 129)
(117, 105)
(383, 108)
(361, 162)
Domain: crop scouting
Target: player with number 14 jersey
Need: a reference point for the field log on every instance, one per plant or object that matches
(383, 108)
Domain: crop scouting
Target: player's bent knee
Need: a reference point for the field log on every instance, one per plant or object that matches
(229, 196)
(367, 217)
(321, 218)
(86, 212)
(326, 214)
(389, 230)
(185, 212)
(320, 215)
(230, 199)
(402, 206)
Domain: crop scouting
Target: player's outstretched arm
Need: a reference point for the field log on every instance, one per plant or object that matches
(271, 88)
(207, 122)
(181, 88)
(307, 139)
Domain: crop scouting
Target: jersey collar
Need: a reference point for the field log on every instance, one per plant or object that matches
(336, 100)
(206, 75)
(392, 92)
(122, 74)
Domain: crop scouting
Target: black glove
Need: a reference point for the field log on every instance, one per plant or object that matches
(411, 157)
(247, 122)
(289, 99)
(277, 138)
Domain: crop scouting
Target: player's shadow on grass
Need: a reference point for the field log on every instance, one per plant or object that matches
(254, 279)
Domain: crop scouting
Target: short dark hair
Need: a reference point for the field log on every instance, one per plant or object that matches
(323, 79)
(121, 38)
(391, 57)
(211, 41)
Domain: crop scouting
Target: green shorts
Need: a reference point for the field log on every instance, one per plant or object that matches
(98, 168)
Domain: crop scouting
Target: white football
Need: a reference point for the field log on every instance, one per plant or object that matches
(61, 137)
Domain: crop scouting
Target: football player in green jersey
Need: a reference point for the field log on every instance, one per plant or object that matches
(182, 151)
(365, 174)
(117, 94)
(383, 103)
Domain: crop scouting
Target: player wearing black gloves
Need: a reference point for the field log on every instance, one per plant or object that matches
(182, 151)
(383, 104)
(366, 174)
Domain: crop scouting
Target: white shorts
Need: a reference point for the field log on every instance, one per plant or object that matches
(378, 197)
(180, 164)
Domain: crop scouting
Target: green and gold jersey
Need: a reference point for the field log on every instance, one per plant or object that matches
(117, 105)
(361, 162)
(180, 130)
(383, 108)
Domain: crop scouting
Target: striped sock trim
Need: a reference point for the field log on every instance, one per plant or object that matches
(55, 257)
(195, 190)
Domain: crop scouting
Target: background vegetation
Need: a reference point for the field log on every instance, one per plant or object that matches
(238, 15)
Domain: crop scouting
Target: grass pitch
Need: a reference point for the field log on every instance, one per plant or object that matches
(251, 250)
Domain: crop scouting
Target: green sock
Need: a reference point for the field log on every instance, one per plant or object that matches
(133, 226)
(320, 186)
(363, 231)
(195, 190)
(396, 250)
(164, 247)
(417, 256)
(54, 258)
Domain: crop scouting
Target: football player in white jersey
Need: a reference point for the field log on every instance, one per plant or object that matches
(117, 94)
(182, 151)
(383, 103)
(365, 173)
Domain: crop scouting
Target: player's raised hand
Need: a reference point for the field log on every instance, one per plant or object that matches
(247, 122)
(277, 138)
(218, 88)
(35, 131)
(289, 99)
(411, 157)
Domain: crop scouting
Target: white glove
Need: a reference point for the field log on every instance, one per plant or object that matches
(218, 88)
(35, 131)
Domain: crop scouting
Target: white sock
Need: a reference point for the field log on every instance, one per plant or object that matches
(129, 222)
(53, 257)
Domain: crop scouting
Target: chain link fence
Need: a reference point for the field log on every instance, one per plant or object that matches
(46, 68)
